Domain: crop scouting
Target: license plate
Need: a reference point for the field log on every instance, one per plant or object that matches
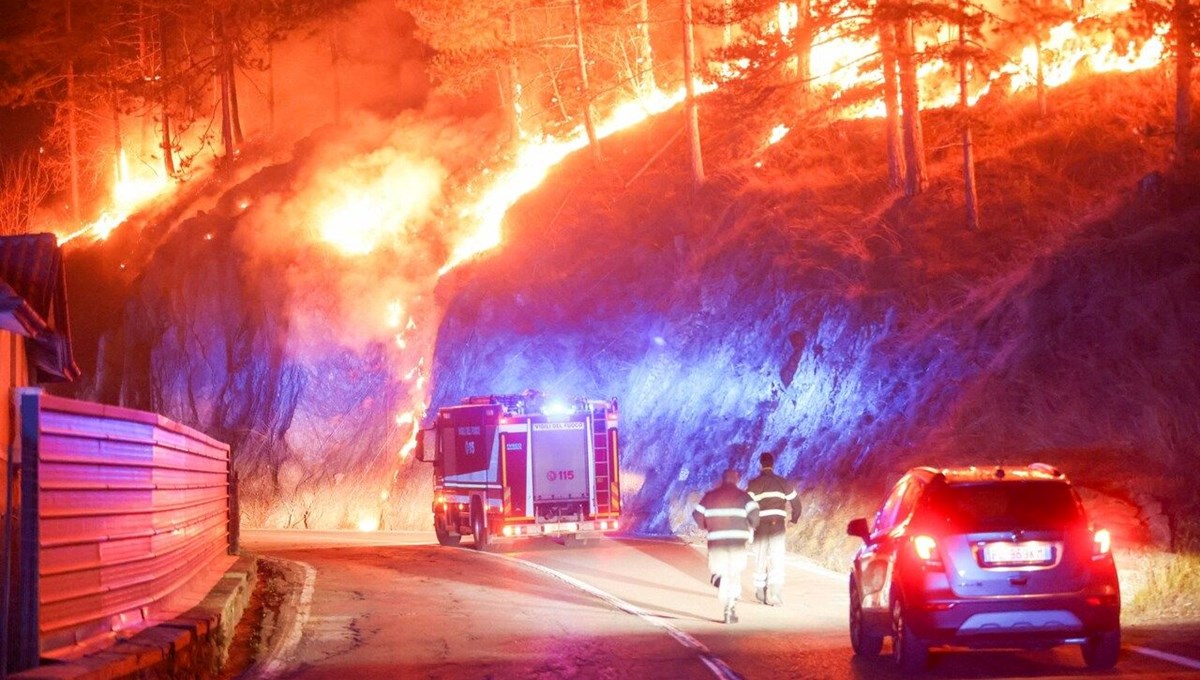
(1017, 553)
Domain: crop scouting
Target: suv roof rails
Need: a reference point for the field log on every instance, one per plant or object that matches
(1047, 468)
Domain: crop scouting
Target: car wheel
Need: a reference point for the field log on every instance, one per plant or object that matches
(1100, 651)
(863, 642)
(909, 651)
(444, 536)
(479, 525)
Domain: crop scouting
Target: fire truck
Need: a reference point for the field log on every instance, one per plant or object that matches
(522, 465)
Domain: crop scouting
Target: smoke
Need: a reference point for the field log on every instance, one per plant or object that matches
(364, 226)
(364, 60)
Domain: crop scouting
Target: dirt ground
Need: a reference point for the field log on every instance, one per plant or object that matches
(249, 636)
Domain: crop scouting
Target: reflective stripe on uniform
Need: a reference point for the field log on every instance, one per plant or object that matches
(725, 512)
(700, 508)
(772, 513)
(768, 494)
(773, 494)
(726, 534)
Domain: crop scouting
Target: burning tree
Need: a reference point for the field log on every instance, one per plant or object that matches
(165, 68)
(1180, 15)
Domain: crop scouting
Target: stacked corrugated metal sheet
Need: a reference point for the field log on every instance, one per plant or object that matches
(132, 506)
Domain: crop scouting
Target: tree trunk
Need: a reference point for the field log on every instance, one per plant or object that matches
(802, 44)
(514, 83)
(231, 68)
(146, 68)
(646, 82)
(693, 119)
(891, 105)
(726, 22)
(72, 126)
(915, 180)
(1043, 109)
(219, 47)
(588, 123)
(164, 99)
(970, 197)
(1184, 62)
(271, 86)
(118, 145)
(335, 59)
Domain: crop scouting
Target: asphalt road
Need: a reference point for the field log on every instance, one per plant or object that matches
(396, 605)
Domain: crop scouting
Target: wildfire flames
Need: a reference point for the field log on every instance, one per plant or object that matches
(358, 209)
(835, 61)
(131, 190)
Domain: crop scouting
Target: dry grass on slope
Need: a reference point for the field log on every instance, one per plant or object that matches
(1038, 180)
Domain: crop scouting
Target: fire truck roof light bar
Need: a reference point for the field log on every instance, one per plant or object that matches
(533, 401)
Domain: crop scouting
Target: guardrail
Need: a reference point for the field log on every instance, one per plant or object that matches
(119, 509)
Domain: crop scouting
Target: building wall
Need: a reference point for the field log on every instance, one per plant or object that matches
(14, 373)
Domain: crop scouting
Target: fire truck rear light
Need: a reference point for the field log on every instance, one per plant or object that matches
(508, 531)
(926, 548)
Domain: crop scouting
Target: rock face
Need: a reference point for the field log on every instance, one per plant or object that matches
(211, 333)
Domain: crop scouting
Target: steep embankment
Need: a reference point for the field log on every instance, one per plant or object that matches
(211, 312)
(795, 306)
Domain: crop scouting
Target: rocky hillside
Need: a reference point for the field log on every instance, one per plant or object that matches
(793, 304)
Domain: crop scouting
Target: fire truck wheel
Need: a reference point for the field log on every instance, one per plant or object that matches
(444, 536)
(479, 525)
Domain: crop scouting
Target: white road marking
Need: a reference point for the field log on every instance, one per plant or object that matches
(1167, 656)
(812, 567)
(277, 657)
(714, 664)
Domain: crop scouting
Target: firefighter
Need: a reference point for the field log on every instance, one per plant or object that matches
(775, 496)
(729, 515)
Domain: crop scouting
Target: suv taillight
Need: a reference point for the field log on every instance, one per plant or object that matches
(927, 550)
(1101, 543)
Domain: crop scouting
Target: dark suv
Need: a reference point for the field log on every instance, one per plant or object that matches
(983, 558)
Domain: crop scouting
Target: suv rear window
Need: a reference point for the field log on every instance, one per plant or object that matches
(1003, 506)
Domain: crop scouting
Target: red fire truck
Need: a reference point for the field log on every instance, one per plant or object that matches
(519, 465)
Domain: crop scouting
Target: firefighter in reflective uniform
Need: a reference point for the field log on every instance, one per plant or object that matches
(774, 495)
(729, 515)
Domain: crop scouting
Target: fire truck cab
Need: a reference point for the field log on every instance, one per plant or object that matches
(522, 465)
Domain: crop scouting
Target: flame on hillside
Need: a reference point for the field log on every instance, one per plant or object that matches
(131, 190)
(532, 162)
